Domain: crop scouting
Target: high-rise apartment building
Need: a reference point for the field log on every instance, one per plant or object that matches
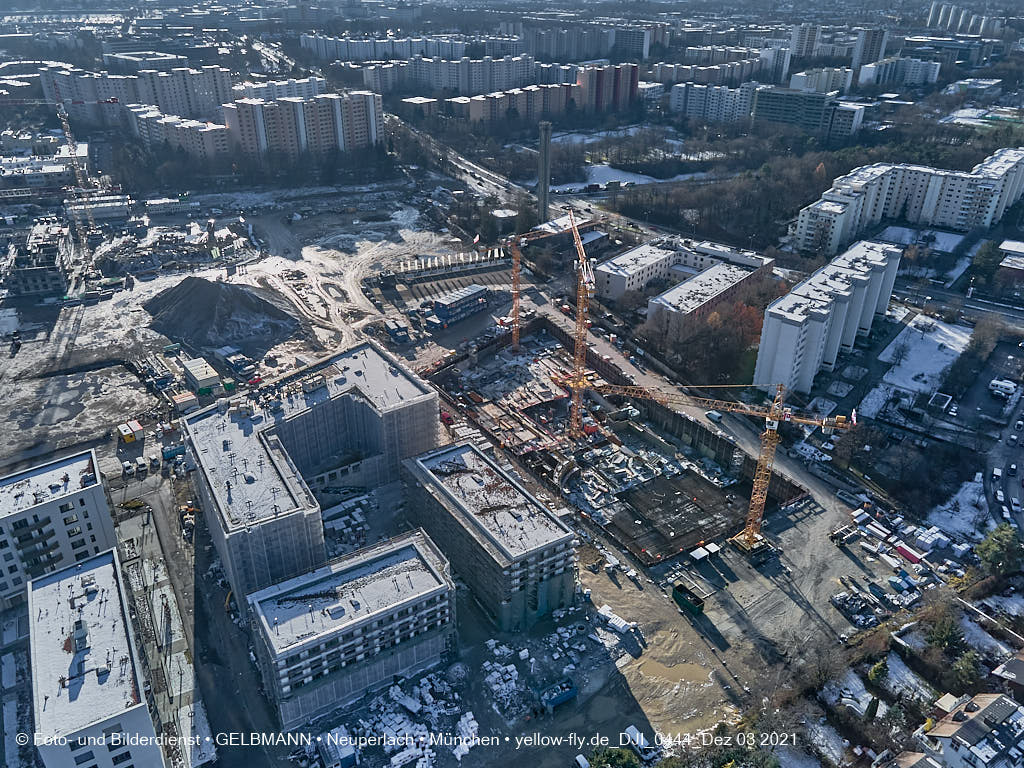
(870, 46)
(823, 80)
(713, 103)
(811, 111)
(610, 88)
(347, 420)
(197, 138)
(899, 71)
(195, 93)
(329, 636)
(304, 88)
(88, 685)
(805, 330)
(51, 516)
(293, 125)
(803, 39)
(915, 193)
(517, 557)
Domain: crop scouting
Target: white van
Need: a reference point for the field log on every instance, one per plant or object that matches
(714, 416)
(140, 465)
(581, 762)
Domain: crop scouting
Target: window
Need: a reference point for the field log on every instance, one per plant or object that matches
(84, 757)
(70, 519)
(8, 557)
(123, 757)
(81, 502)
(15, 581)
(77, 544)
(13, 569)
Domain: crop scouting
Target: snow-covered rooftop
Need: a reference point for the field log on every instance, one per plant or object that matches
(702, 288)
(833, 280)
(634, 260)
(245, 463)
(47, 482)
(351, 590)
(83, 663)
(495, 508)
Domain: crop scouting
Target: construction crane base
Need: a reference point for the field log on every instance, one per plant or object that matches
(759, 551)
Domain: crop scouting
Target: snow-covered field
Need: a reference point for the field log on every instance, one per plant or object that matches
(944, 241)
(602, 173)
(901, 679)
(960, 515)
(1012, 604)
(982, 641)
(924, 349)
(827, 740)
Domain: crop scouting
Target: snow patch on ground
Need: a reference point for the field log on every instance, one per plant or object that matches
(603, 173)
(944, 241)
(925, 348)
(960, 515)
(827, 740)
(850, 691)
(981, 640)
(791, 757)
(901, 679)
(1012, 604)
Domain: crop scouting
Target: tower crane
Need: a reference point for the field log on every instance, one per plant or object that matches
(750, 539)
(81, 178)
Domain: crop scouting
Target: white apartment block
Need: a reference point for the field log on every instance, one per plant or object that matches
(713, 103)
(51, 516)
(464, 76)
(803, 39)
(805, 330)
(985, 731)
(200, 139)
(899, 71)
(823, 80)
(328, 48)
(196, 93)
(919, 194)
(346, 420)
(305, 88)
(88, 687)
(330, 636)
(634, 269)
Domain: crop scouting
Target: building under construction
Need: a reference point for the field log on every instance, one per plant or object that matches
(656, 480)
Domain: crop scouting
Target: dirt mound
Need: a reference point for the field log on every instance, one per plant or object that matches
(202, 313)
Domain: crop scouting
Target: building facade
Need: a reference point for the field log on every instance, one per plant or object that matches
(292, 126)
(984, 731)
(914, 193)
(347, 420)
(330, 636)
(304, 88)
(42, 264)
(51, 516)
(823, 79)
(518, 558)
(805, 330)
(88, 686)
(870, 46)
(900, 71)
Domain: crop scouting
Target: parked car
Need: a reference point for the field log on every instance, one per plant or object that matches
(1013, 469)
(128, 468)
(1019, 425)
(1015, 505)
(1000, 496)
(1012, 440)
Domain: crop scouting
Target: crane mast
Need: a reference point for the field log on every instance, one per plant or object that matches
(584, 287)
(749, 540)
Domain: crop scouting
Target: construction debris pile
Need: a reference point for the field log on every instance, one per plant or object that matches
(202, 313)
(149, 249)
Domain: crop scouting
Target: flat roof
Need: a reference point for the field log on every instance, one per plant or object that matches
(701, 288)
(81, 673)
(634, 260)
(496, 509)
(46, 482)
(832, 280)
(236, 444)
(1012, 246)
(350, 591)
(1014, 261)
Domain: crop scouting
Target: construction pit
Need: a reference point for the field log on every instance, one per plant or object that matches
(656, 481)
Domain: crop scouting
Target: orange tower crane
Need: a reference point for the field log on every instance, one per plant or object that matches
(750, 539)
(514, 245)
